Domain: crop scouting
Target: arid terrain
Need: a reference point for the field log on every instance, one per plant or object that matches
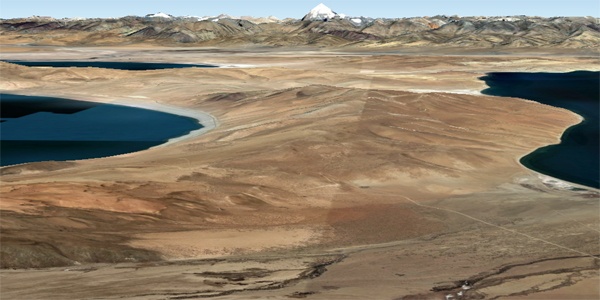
(362, 32)
(329, 174)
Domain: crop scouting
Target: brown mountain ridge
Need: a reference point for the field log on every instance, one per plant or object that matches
(437, 31)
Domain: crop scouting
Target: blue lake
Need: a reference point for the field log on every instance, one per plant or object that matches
(35, 128)
(576, 158)
(131, 66)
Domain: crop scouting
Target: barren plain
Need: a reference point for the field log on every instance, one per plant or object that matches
(325, 175)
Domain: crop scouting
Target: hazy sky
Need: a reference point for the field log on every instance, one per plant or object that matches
(297, 8)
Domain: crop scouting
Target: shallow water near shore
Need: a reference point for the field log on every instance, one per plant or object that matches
(576, 158)
(37, 128)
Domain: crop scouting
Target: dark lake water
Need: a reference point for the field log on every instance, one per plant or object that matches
(131, 66)
(35, 128)
(576, 158)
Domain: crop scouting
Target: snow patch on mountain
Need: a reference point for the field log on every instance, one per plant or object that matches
(160, 15)
(320, 13)
(323, 13)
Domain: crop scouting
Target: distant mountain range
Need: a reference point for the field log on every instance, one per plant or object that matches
(254, 20)
(320, 27)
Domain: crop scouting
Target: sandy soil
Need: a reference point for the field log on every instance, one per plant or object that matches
(319, 175)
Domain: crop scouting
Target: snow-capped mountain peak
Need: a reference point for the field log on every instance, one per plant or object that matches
(159, 15)
(320, 12)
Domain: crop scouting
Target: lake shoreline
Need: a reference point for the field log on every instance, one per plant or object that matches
(575, 153)
(205, 121)
(208, 121)
(314, 150)
(549, 180)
